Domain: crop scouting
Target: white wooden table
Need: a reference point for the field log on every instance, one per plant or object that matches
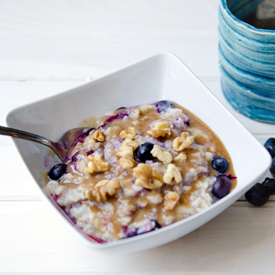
(47, 47)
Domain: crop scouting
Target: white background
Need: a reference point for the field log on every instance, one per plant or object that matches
(47, 47)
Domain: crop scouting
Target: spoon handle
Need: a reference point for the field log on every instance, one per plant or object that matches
(6, 131)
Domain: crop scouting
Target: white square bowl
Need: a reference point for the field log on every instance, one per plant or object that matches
(162, 76)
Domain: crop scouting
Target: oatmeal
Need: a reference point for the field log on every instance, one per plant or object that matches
(141, 169)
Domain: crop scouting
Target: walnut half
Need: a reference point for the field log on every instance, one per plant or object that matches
(147, 177)
(130, 133)
(98, 136)
(96, 164)
(161, 129)
(172, 172)
(127, 148)
(126, 163)
(161, 154)
(182, 142)
(170, 200)
(103, 188)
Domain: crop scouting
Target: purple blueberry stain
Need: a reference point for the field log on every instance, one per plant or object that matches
(139, 231)
(120, 115)
(163, 105)
(74, 160)
(80, 138)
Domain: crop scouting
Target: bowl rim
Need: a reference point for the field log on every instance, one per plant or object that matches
(245, 27)
(214, 208)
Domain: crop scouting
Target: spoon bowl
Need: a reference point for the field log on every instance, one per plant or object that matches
(61, 147)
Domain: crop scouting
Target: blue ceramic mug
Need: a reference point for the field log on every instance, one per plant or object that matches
(247, 59)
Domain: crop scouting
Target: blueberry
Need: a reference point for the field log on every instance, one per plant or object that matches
(220, 164)
(57, 171)
(272, 167)
(143, 153)
(270, 146)
(257, 195)
(163, 105)
(221, 186)
(269, 183)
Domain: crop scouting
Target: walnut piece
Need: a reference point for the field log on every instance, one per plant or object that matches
(180, 157)
(172, 172)
(98, 136)
(127, 148)
(125, 152)
(147, 177)
(170, 200)
(129, 143)
(103, 188)
(128, 134)
(126, 163)
(96, 164)
(161, 129)
(161, 154)
(182, 142)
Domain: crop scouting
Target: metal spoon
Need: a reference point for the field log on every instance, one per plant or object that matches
(61, 147)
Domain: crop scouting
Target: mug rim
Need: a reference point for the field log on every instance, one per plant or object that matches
(245, 27)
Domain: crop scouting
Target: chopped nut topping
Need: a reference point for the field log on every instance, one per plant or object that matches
(161, 154)
(130, 143)
(127, 149)
(126, 163)
(98, 136)
(161, 129)
(172, 172)
(103, 188)
(128, 134)
(96, 164)
(147, 177)
(183, 142)
(125, 152)
(180, 157)
(170, 200)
